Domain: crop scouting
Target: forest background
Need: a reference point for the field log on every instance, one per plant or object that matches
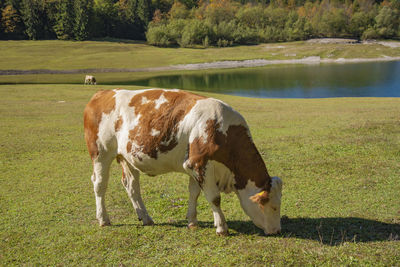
(191, 23)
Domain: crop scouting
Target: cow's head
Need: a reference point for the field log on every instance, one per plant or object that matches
(266, 213)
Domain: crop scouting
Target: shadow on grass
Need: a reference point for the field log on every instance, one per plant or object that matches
(335, 231)
(328, 231)
(117, 40)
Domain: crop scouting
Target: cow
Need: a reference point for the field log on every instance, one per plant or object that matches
(156, 131)
(89, 79)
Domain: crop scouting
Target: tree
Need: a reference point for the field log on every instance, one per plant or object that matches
(178, 11)
(333, 23)
(133, 18)
(359, 22)
(220, 11)
(82, 10)
(64, 25)
(252, 16)
(31, 17)
(11, 22)
(105, 18)
(143, 11)
(387, 22)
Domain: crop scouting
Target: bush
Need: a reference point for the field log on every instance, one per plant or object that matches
(223, 43)
(245, 35)
(224, 30)
(175, 30)
(194, 32)
(369, 34)
(158, 35)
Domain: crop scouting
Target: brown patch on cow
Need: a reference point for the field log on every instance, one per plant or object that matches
(164, 119)
(129, 147)
(103, 102)
(118, 124)
(217, 201)
(235, 150)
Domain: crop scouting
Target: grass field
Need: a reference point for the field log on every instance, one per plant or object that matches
(339, 160)
(62, 55)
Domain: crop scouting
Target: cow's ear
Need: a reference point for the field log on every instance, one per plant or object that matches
(260, 198)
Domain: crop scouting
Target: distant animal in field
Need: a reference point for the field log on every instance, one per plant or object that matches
(89, 79)
(157, 131)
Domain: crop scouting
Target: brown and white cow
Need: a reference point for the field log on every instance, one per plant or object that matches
(89, 79)
(157, 131)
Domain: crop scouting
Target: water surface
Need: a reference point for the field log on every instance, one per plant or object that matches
(378, 79)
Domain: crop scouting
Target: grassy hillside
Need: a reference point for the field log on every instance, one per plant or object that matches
(339, 160)
(60, 55)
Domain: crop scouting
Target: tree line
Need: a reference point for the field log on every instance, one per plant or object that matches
(226, 22)
(74, 19)
(199, 22)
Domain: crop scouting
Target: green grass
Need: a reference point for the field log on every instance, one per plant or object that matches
(60, 55)
(339, 160)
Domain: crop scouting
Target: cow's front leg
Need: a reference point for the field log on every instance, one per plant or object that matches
(194, 192)
(214, 198)
(212, 194)
(130, 180)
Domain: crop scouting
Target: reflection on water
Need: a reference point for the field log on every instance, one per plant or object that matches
(380, 79)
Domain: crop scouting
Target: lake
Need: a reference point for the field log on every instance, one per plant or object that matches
(378, 79)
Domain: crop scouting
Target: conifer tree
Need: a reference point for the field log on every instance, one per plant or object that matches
(64, 19)
(31, 18)
(82, 10)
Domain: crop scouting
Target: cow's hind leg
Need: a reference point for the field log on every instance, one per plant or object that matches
(130, 180)
(100, 176)
(194, 192)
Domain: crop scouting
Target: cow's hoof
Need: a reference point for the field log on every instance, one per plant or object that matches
(106, 223)
(148, 222)
(223, 233)
(192, 226)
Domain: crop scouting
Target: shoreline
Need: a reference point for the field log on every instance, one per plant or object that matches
(227, 64)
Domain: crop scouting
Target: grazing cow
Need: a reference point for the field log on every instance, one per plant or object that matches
(89, 79)
(157, 131)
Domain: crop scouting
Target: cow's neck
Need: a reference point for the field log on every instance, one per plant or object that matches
(250, 172)
(238, 152)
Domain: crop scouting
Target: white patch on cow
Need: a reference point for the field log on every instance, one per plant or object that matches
(145, 100)
(154, 132)
(160, 101)
(130, 119)
(224, 178)
(195, 122)
(105, 136)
